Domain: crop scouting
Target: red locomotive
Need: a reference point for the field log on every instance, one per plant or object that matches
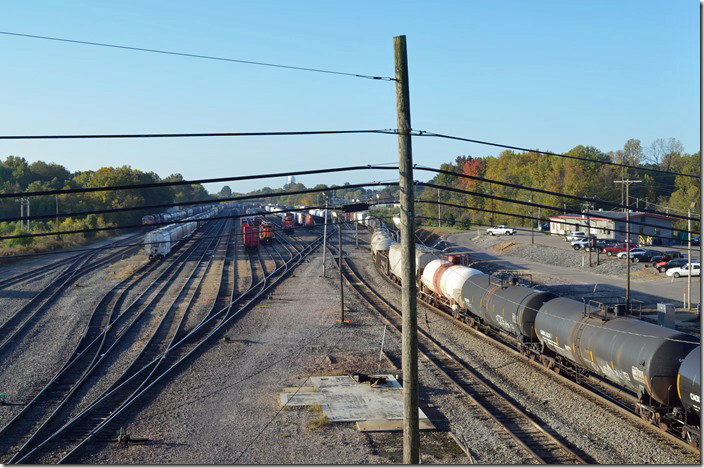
(288, 223)
(266, 233)
(310, 222)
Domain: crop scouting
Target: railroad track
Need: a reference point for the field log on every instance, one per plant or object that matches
(55, 402)
(96, 424)
(615, 400)
(538, 443)
(46, 269)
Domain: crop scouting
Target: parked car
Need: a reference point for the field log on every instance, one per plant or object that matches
(646, 256)
(665, 257)
(574, 235)
(696, 240)
(620, 247)
(499, 230)
(583, 243)
(674, 263)
(685, 270)
(634, 251)
(601, 244)
(545, 227)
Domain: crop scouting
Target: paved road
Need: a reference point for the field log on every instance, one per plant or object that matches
(666, 290)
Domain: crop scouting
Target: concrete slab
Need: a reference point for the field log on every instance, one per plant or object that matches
(344, 400)
(390, 425)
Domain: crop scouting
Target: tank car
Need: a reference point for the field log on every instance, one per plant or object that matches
(638, 355)
(424, 255)
(689, 389)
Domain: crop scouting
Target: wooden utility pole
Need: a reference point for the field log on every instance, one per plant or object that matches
(532, 221)
(411, 437)
(57, 215)
(339, 252)
(438, 207)
(325, 231)
(689, 256)
(627, 183)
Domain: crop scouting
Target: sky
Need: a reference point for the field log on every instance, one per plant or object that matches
(549, 75)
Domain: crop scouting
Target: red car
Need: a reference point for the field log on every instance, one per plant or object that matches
(288, 223)
(250, 234)
(266, 233)
(611, 251)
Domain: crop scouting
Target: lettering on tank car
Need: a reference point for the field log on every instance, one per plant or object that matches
(545, 334)
(695, 397)
(638, 375)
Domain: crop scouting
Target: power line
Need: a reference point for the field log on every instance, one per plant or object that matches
(499, 145)
(531, 204)
(186, 135)
(537, 190)
(206, 57)
(196, 202)
(197, 181)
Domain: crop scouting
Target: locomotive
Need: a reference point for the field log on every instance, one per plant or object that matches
(660, 365)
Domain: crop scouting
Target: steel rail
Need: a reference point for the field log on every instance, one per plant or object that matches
(523, 430)
(214, 329)
(90, 361)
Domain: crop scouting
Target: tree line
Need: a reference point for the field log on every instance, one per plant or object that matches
(19, 176)
(586, 178)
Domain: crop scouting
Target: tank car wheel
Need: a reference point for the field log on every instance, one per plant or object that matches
(544, 361)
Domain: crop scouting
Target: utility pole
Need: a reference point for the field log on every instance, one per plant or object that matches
(689, 256)
(339, 260)
(627, 183)
(532, 221)
(57, 215)
(325, 231)
(438, 207)
(491, 192)
(21, 202)
(411, 436)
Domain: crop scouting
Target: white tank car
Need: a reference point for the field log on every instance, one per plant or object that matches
(424, 255)
(381, 241)
(450, 280)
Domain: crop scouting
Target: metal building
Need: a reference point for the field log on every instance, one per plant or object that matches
(612, 225)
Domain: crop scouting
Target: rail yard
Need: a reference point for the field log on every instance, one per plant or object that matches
(172, 344)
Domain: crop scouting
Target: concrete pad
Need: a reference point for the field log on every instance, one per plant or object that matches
(344, 400)
(390, 425)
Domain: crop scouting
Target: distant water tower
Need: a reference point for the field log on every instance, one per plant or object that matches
(291, 180)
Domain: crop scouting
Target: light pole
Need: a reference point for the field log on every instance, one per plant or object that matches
(325, 230)
(532, 223)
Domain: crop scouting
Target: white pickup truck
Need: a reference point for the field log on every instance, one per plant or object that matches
(499, 230)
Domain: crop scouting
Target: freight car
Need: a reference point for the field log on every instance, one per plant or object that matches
(564, 334)
(266, 233)
(250, 236)
(160, 242)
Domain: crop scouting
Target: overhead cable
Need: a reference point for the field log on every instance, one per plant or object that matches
(548, 153)
(197, 181)
(206, 57)
(547, 192)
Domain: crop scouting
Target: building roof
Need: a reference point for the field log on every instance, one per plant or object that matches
(611, 216)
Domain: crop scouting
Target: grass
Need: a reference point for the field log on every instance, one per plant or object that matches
(319, 419)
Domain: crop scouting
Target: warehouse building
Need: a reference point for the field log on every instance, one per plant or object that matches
(612, 225)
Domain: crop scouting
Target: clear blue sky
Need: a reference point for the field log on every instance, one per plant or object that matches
(539, 74)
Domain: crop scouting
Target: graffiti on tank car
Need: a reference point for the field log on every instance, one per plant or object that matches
(503, 323)
(637, 374)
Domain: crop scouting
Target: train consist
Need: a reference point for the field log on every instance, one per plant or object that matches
(160, 242)
(174, 215)
(660, 365)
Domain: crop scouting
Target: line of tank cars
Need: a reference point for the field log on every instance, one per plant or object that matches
(661, 365)
(160, 242)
